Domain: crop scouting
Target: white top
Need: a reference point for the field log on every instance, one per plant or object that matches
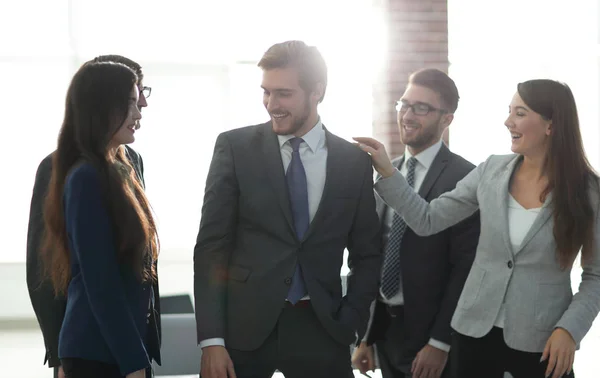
(520, 220)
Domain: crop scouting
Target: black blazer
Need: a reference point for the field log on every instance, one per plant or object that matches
(49, 309)
(434, 268)
(246, 249)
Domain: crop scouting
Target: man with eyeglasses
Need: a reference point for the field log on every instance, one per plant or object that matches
(49, 309)
(422, 277)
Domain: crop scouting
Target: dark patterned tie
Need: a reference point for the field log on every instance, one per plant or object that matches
(298, 191)
(390, 273)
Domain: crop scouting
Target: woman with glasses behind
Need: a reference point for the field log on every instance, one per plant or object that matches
(101, 242)
(538, 208)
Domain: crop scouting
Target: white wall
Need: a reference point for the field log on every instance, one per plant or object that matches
(200, 59)
(175, 278)
(495, 45)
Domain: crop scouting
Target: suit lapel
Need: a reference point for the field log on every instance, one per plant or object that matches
(540, 220)
(501, 198)
(334, 176)
(276, 172)
(437, 166)
(382, 208)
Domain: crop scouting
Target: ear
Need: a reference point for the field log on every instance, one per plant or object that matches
(317, 93)
(447, 120)
(549, 128)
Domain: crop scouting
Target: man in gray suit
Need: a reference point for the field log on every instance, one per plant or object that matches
(422, 277)
(283, 200)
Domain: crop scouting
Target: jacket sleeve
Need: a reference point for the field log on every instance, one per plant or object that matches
(90, 229)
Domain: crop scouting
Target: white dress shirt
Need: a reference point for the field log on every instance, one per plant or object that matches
(424, 161)
(313, 154)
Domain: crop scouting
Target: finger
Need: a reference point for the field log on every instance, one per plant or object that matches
(361, 368)
(426, 372)
(220, 372)
(559, 369)
(419, 368)
(371, 363)
(367, 149)
(566, 363)
(551, 363)
(435, 372)
(414, 364)
(571, 362)
(546, 352)
(368, 141)
(230, 370)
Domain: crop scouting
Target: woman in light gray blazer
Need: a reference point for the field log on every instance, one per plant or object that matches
(539, 207)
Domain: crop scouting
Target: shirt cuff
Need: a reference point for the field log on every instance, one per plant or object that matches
(217, 341)
(440, 345)
(370, 323)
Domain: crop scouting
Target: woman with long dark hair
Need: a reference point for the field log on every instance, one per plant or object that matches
(101, 242)
(539, 207)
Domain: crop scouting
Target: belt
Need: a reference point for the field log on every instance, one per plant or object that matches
(394, 311)
(300, 304)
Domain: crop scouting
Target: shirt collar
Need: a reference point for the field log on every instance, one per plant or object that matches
(311, 138)
(426, 156)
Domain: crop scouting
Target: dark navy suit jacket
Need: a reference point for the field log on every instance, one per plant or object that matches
(107, 307)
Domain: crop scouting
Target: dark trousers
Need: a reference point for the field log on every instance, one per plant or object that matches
(299, 347)
(80, 368)
(395, 361)
(490, 357)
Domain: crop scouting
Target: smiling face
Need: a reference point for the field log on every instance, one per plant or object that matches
(421, 118)
(530, 132)
(292, 109)
(126, 131)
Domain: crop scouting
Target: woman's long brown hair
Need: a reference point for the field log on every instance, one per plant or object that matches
(96, 107)
(570, 175)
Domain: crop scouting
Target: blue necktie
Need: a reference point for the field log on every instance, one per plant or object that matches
(390, 273)
(297, 187)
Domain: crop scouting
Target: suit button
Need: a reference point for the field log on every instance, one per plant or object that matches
(510, 264)
(288, 281)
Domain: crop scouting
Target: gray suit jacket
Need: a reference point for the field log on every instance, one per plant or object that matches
(537, 292)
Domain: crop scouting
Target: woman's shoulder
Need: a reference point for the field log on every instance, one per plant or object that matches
(82, 175)
(495, 163)
(501, 160)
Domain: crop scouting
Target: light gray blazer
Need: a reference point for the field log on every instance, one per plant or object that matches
(537, 292)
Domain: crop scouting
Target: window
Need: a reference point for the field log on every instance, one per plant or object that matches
(510, 42)
(199, 58)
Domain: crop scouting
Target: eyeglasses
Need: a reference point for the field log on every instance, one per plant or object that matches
(146, 91)
(418, 108)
